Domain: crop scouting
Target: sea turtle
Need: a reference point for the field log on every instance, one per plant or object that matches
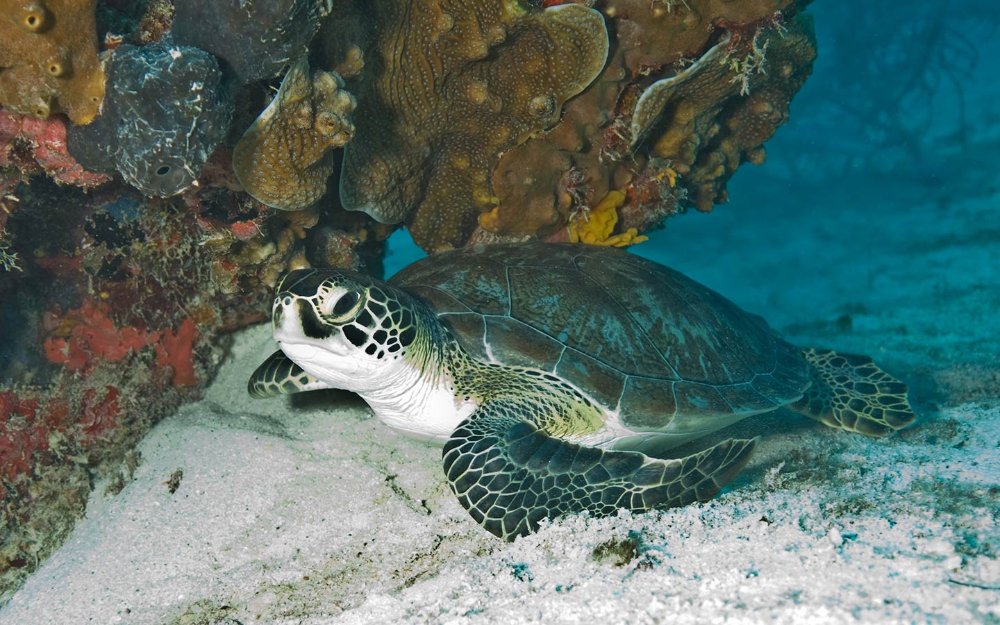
(560, 375)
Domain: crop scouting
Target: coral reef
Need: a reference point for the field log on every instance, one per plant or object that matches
(721, 101)
(48, 58)
(284, 159)
(447, 144)
(446, 88)
(164, 114)
(254, 39)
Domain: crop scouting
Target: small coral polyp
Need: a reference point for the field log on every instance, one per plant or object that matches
(48, 58)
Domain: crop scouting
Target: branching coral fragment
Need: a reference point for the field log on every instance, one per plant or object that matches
(8, 258)
(745, 67)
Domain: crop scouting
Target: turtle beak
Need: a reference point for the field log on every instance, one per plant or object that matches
(284, 322)
(277, 314)
(294, 319)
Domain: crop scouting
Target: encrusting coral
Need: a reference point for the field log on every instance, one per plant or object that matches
(48, 58)
(43, 141)
(447, 87)
(738, 103)
(284, 159)
(596, 226)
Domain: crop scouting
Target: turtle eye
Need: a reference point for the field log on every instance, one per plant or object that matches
(345, 307)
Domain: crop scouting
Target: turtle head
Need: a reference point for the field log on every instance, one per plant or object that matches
(341, 326)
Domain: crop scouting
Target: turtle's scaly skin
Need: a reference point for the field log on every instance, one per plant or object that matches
(537, 440)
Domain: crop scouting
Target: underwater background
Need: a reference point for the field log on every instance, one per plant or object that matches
(141, 485)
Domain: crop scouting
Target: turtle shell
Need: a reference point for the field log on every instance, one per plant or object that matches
(636, 336)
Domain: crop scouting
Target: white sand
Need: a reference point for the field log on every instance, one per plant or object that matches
(318, 514)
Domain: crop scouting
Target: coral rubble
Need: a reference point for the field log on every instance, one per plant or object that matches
(48, 58)
(284, 159)
(446, 88)
(165, 112)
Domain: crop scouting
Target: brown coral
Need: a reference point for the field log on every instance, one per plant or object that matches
(720, 110)
(665, 157)
(285, 158)
(48, 58)
(448, 85)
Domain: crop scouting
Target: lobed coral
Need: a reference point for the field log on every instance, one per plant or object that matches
(166, 111)
(284, 159)
(718, 111)
(48, 58)
(447, 87)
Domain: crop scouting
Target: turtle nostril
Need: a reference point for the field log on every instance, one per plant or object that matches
(278, 316)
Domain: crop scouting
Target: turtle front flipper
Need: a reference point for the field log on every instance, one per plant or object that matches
(510, 475)
(280, 376)
(852, 393)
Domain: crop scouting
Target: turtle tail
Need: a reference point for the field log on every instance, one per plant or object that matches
(852, 393)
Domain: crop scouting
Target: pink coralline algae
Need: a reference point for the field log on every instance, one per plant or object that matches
(87, 336)
(45, 141)
(90, 336)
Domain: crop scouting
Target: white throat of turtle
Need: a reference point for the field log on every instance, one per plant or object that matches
(413, 394)
(418, 399)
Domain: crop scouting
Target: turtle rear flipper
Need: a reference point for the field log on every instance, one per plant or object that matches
(278, 375)
(510, 475)
(852, 393)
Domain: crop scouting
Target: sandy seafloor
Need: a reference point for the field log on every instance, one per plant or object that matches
(306, 510)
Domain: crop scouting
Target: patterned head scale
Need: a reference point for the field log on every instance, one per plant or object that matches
(346, 308)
